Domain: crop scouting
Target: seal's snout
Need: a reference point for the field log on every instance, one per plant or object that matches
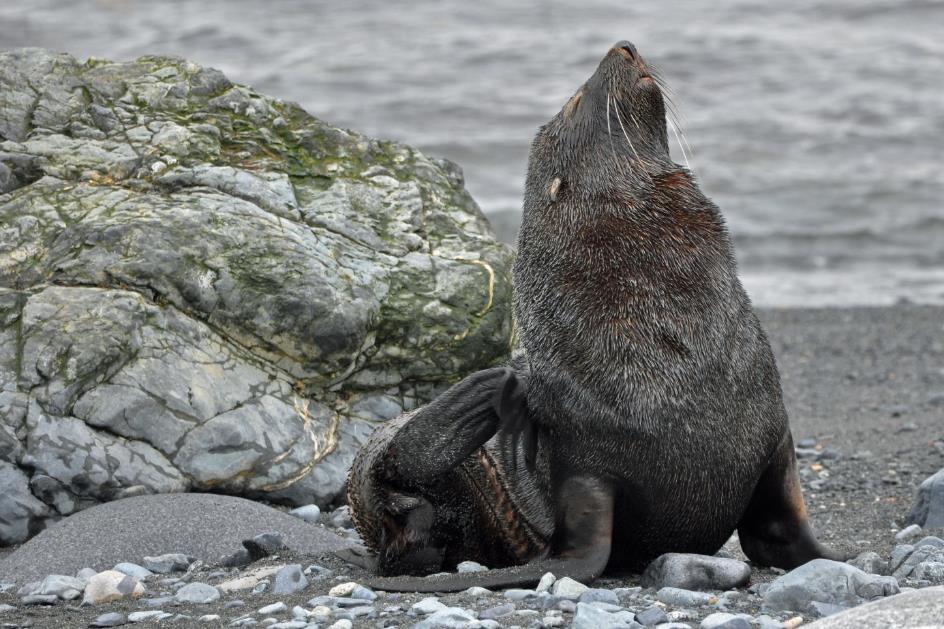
(627, 49)
(629, 52)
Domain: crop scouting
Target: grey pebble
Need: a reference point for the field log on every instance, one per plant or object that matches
(308, 513)
(515, 594)
(167, 563)
(696, 572)
(289, 580)
(722, 620)
(449, 617)
(133, 569)
(233, 603)
(111, 619)
(340, 518)
(261, 587)
(654, 615)
(318, 572)
(907, 533)
(289, 624)
(39, 599)
(498, 611)
(274, 608)
(470, 566)
(684, 598)
(827, 582)
(599, 594)
(198, 593)
(870, 562)
(568, 588)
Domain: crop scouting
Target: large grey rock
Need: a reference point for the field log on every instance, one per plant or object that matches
(917, 609)
(928, 508)
(827, 582)
(21, 513)
(205, 288)
(133, 528)
(695, 572)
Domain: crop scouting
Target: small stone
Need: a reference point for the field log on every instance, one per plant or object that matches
(870, 562)
(340, 518)
(159, 601)
(233, 604)
(599, 595)
(289, 580)
(197, 593)
(39, 599)
(819, 609)
(111, 619)
(516, 594)
(553, 621)
(85, 574)
(589, 617)
(152, 614)
(133, 569)
(344, 589)
(652, 616)
(470, 566)
(320, 613)
(828, 582)
(766, 622)
(689, 571)
(899, 554)
(568, 588)
(260, 587)
(456, 617)
(167, 563)
(928, 507)
(498, 611)
(111, 585)
(318, 572)
(274, 608)
(428, 605)
(722, 620)
(4, 608)
(544, 585)
(308, 513)
(685, 598)
(208, 618)
(364, 594)
(264, 545)
(342, 624)
(63, 587)
(907, 533)
(476, 591)
(289, 624)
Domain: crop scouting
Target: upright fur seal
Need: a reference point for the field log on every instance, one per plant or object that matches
(648, 415)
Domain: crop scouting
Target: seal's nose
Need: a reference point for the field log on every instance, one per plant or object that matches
(626, 49)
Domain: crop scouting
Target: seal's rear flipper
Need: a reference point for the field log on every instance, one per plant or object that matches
(582, 548)
(775, 530)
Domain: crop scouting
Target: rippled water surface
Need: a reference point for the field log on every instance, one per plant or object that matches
(817, 126)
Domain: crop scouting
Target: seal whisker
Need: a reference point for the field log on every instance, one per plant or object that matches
(679, 140)
(642, 162)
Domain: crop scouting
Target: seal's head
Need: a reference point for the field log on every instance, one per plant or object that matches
(611, 131)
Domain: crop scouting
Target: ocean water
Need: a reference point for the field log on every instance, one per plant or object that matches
(816, 125)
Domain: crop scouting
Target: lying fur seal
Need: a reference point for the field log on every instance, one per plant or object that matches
(648, 416)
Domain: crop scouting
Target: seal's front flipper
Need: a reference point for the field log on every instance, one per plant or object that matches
(581, 544)
(442, 434)
(358, 556)
(775, 530)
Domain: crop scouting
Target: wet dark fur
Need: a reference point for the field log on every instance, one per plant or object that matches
(654, 420)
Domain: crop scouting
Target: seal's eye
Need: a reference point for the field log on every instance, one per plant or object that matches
(554, 188)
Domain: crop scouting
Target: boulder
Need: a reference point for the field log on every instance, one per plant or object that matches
(928, 508)
(823, 581)
(205, 288)
(696, 572)
(909, 610)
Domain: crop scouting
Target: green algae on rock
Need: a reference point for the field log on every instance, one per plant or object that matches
(205, 288)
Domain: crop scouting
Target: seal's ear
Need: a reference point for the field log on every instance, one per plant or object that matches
(552, 190)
